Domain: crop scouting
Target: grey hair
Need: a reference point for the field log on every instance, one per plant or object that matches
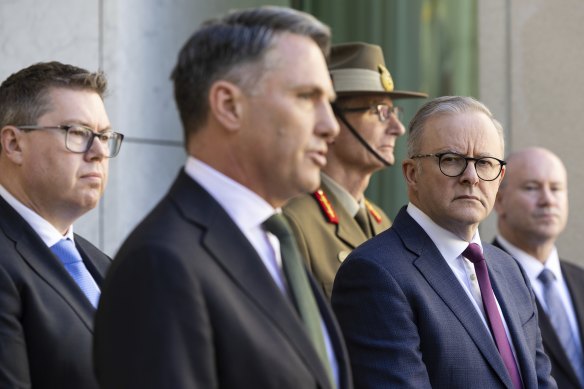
(234, 48)
(446, 105)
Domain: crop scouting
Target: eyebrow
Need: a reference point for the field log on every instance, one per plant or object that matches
(85, 124)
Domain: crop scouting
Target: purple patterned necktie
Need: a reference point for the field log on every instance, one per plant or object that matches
(474, 254)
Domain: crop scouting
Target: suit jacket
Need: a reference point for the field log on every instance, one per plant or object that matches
(188, 303)
(326, 244)
(46, 322)
(562, 369)
(408, 322)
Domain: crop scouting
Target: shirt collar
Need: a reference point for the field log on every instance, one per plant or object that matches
(245, 207)
(46, 231)
(532, 265)
(449, 245)
(343, 196)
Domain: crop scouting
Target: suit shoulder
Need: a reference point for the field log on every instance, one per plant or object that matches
(572, 268)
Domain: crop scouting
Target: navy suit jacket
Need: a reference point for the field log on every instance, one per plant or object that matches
(46, 322)
(188, 303)
(562, 369)
(408, 322)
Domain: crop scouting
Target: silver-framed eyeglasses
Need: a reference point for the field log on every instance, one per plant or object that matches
(453, 165)
(78, 139)
(383, 111)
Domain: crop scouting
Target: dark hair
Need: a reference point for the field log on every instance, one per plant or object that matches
(223, 47)
(23, 95)
(445, 105)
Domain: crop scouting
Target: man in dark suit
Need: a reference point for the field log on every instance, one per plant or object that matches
(55, 141)
(532, 208)
(335, 219)
(427, 303)
(197, 297)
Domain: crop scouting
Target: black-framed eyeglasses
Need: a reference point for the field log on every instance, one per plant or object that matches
(78, 139)
(383, 111)
(453, 165)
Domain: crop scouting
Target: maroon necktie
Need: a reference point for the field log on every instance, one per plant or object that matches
(474, 254)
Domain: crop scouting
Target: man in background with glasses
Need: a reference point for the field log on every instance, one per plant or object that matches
(56, 140)
(532, 210)
(427, 303)
(335, 219)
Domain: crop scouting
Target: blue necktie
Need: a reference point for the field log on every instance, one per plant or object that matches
(66, 251)
(560, 322)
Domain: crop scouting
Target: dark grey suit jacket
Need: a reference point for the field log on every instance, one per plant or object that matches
(46, 322)
(408, 322)
(562, 370)
(188, 303)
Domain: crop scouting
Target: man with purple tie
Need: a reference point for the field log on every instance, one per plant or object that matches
(427, 304)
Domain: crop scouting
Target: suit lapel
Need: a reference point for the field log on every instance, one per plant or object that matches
(551, 343)
(239, 259)
(503, 288)
(42, 261)
(573, 275)
(440, 277)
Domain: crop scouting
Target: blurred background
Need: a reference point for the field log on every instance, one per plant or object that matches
(520, 57)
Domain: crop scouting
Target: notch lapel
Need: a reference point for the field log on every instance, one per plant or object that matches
(245, 268)
(440, 277)
(503, 288)
(42, 261)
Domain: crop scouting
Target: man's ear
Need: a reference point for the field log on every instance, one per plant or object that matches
(410, 171)
(225, 103)
(10, 139)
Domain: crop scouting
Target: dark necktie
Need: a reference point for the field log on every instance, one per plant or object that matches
(559, 318)
(295, 273)
(363, 220)
(474, 254)
(66, 251)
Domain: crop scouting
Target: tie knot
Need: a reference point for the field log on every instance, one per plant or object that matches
(547, 277)
(66, 251)
(277, 225)
(473, 253)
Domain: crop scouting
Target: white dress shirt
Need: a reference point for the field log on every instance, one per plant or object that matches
(533, 267)
(451, 248)
(47, 232)
(249, 211)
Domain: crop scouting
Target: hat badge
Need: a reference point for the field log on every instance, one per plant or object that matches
(386, 80)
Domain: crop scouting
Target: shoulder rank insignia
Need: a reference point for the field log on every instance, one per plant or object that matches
(326, 206)
(373, 212)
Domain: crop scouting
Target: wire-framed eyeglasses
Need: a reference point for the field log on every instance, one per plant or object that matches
(383, 111)
(78, 139)
(453, 165)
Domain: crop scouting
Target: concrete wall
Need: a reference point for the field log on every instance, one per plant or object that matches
(136, 43)
(531, 61)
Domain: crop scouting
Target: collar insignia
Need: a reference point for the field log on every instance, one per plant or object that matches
(326, 207)
(373, 212)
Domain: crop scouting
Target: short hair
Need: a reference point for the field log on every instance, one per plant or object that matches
(446, 105)
(222, 48)
(24, 95)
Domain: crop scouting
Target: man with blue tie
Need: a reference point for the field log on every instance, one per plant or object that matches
(56, 140)
(427, 304)
(532, 209)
